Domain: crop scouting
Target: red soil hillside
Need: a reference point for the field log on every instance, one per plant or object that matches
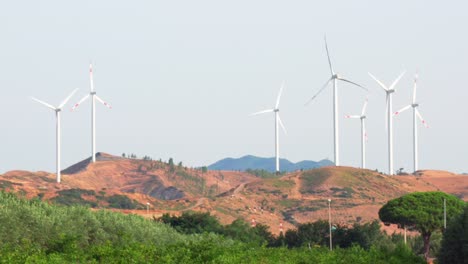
(356, 194)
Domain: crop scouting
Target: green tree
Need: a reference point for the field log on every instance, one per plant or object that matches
(171, 165)
(454, 248)
(204, 169)
(364, 235)
(241, 230)
(316, 233)
(422, 211)
(193, 222)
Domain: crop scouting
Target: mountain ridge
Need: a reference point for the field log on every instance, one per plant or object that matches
(268, 164)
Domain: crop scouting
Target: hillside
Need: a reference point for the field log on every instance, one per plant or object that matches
(127, 185)
(268, 164)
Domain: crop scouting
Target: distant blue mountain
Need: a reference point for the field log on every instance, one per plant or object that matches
(268, 164)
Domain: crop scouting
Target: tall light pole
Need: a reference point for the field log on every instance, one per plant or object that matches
(329, 223)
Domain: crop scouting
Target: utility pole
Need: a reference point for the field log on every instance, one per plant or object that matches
(329, 223)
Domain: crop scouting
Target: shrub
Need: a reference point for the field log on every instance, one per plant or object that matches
(454, 247)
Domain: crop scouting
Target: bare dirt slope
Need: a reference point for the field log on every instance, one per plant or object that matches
(356, 195)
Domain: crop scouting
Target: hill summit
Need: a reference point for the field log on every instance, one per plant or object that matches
(268, 164)
(151, 188)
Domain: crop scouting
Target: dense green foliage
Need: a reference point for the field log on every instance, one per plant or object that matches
(318, 234)
(423, 211)
(75, 197)
(454, 247)
(121, 202)
(199, 223)
(192, 222)
(33, 231)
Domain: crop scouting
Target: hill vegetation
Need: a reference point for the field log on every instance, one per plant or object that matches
(78, 235)
(152, 188)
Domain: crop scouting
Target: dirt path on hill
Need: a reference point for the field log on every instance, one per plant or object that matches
(295, 192)
(239, 188)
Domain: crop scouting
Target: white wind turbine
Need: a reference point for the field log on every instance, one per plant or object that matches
(363, 132)
(57, 110)
(94, 97)
(277, 122)
(388, 116)
(416, 115)
(334, 77)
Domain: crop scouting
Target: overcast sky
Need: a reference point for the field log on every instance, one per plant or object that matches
(183, 77)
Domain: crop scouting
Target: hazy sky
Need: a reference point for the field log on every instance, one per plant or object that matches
(183, 77)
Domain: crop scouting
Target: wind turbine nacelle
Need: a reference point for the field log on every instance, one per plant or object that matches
(363, 117)
(276, 110)
(92, 93)
(415, 105)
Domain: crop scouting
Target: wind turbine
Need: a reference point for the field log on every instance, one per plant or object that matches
(388, 116)
(416, 115)
(57, 110)
(277, 123)
(363, 132)
(335, 77)
(94, 97)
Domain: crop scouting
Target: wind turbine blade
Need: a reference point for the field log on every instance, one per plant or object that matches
(263, 112)
(341, 79)
(279, 96)
(66, 99)
(321, 89)
(44, 103)
(414, 87)
(364, 107)
(79, 102)
(352, 116)
(103, 102)
(397, 80)
(379, 82)
(281, 124)
(328, 56)
(421, 118)
(402, 110)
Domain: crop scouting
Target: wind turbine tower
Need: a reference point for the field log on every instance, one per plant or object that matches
(416, 115)
(94, 97)
(57, 110)
(362, 117)
(335, 77)
(388, 116)
(278, 123)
